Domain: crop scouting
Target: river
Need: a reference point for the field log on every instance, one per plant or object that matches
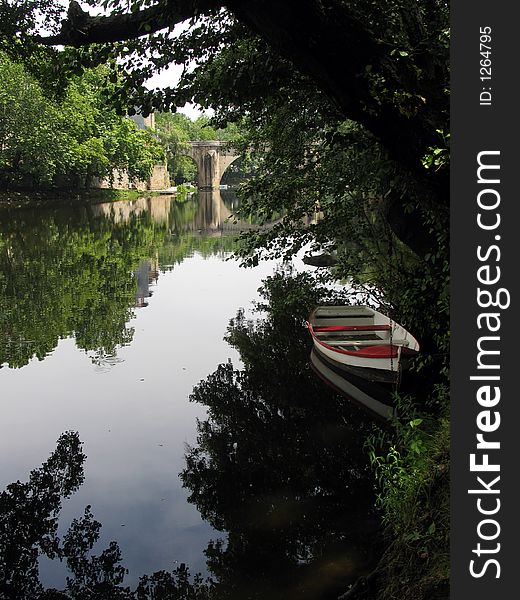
(111, 317)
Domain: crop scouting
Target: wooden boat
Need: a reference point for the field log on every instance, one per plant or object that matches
(363, 340)
(375, 398)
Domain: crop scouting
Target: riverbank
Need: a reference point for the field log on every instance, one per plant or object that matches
(49, 198)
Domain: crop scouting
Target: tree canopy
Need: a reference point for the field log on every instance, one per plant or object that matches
(66, 141)
(385, 68)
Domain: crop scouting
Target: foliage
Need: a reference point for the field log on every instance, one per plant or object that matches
(334, 199)
(332, 183)
(20, 20)
(174, 132)
(412, 465)
(27, 123)
(298, 121)
(394, 80)
(66, 142)
(438, 157)
(184, 190)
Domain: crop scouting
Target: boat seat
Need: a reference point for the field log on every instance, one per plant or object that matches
(380, 342)
(344, 311)
(353, 335)
(353, 328)
(343, 316)
(342, 322)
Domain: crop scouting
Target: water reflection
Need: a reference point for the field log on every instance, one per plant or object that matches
(81, 271)
(146, 276)
(69, 289)
(156, 209)
(278, 467)
(214, 214)
(207, 211)
(28, 529)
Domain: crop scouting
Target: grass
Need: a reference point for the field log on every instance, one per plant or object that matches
(412, 468)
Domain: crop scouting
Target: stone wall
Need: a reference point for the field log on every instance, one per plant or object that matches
(158, 180)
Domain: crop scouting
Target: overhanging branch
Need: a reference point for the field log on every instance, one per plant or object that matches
(80, 28)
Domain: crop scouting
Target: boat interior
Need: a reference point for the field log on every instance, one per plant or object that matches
(352, 328)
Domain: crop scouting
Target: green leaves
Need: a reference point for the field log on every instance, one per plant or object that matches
(68, 142)
(438, 157)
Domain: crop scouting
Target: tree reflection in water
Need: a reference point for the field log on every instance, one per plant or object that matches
(279, 463)
(72, 271)
(29, 515)
(279, 466)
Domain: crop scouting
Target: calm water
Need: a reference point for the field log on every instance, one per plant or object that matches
(110, 317)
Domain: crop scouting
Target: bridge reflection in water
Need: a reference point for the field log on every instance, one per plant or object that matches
(206, 212)
(215, 214)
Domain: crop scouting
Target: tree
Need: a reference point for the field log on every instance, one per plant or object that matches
(324, 40)
(173, 130)
(387, 71)
(66, 141)
(28, 128)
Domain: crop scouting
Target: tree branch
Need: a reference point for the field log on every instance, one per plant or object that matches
(79, 28)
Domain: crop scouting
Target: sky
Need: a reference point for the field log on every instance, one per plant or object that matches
(168, 77)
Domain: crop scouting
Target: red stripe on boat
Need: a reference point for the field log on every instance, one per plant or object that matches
(376, 351)
(367, 352)
(353, 328)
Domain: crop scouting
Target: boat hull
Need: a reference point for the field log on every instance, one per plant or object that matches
(381, 376)
(374, 398)
(363, 339)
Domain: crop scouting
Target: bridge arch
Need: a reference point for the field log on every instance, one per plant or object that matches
(212, 158)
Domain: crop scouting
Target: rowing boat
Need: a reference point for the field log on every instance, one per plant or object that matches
(362, 339)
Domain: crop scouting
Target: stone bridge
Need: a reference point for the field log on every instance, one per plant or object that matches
(212, 158)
